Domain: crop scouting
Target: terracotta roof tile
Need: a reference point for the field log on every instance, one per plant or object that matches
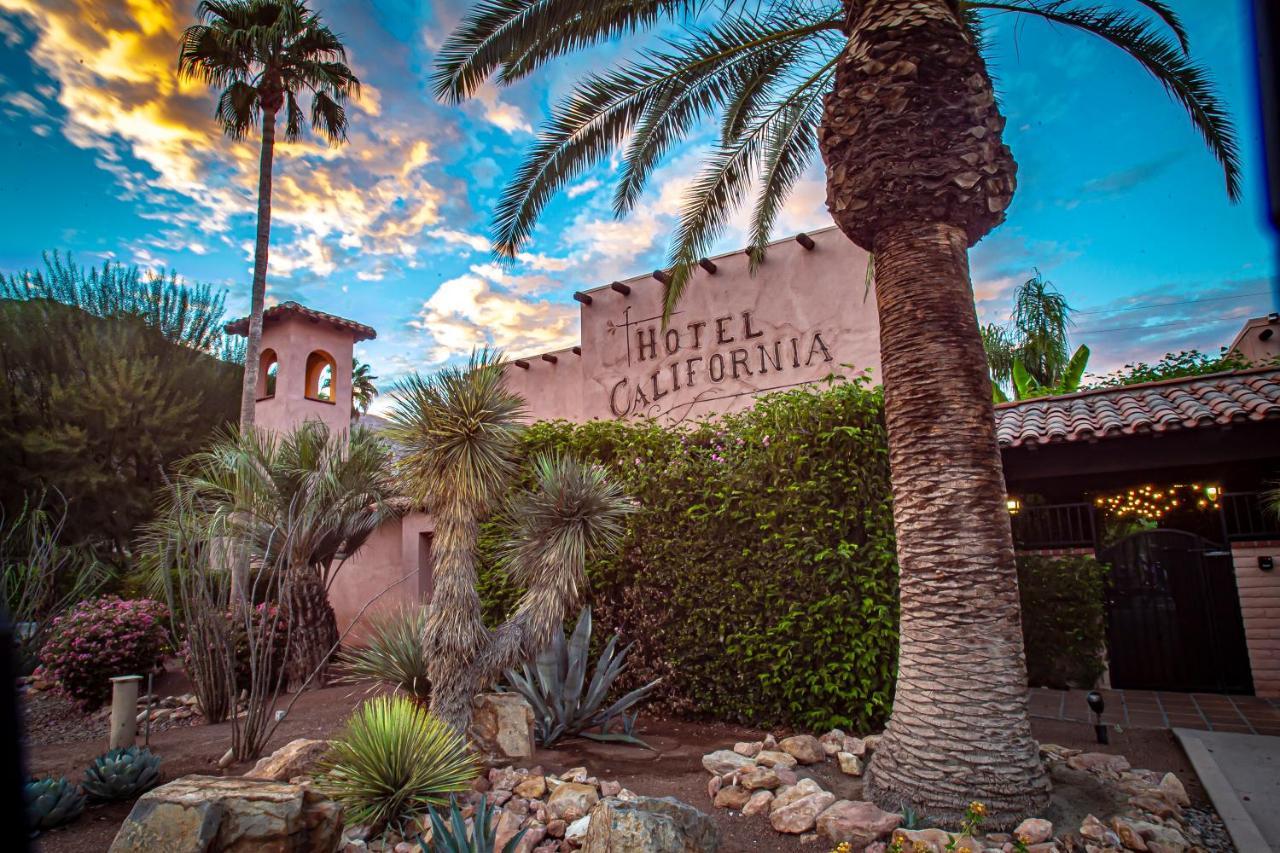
(360, 331)
(1153, 407)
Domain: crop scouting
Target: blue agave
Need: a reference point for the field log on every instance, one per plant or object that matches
(122, 774)
(52, 802)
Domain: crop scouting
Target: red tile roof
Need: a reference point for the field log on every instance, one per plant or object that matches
(1153, 407)
(360, 331)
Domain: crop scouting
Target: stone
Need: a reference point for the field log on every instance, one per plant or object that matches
(832, 742)
(858, 823)
(576, 774)
(1092, 829)
(732, 797)
(295, 758)
(850, 765)
(502, 726)
(1129, 835)
(610, 788)
(556, 828)
(855, 746)
(922, 840)
(750, 750)
(577, 830)
(1096, 761)
(509, 824)
(872, 742)
(1156, 804)
(1156, 835)
(1171, 787)
(1034, 830)
(755, 778)
(534, 833)
(504, 778)
(714, 784)
(769, 742)
(759, 803)
(532, 788)
(649, 825)
(571, 801)
(724, 761)
(801, 815)
(786, 775)
(788, 795)
(804, 748)
(195, 814)
(776, 758)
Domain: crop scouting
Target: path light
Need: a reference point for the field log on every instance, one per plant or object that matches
(1097, 706)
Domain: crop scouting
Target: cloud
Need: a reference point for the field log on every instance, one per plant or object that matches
(1123, 180)
(474, 242)
(498, 112)
(584, 187)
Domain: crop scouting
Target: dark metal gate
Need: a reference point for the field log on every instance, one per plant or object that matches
(1173, 615)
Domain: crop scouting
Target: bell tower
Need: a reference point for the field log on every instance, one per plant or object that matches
(304, 367)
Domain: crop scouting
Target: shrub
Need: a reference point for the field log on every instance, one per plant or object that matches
(1063, 619)
(393, 761)
(392, 653)
(100, 639)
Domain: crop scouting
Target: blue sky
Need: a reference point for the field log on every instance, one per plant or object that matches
(108, 156)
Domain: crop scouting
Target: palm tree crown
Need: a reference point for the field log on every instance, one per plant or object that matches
(760, 70)
(263, 54)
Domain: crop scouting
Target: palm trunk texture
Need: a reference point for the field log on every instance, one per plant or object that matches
(249, 388)
(314, 632)
(917, 173)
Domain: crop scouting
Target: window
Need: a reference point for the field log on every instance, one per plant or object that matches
(321, 375)
(268, 369)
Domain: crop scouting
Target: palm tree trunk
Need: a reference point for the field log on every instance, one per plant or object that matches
(916, 173)
(959, 729)
(455, 634)
(249, 388)
(314, 629)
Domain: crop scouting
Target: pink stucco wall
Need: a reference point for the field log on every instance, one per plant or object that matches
(293, 338)
(390, 571)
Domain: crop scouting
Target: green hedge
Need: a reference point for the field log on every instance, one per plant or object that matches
(1063, 619)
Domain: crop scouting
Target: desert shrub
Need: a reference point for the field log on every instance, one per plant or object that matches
(393, 761)
(97, 640)
(758, 577)
(392, 653)
(1063, 619)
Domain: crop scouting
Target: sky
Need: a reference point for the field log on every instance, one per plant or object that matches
(104, 153)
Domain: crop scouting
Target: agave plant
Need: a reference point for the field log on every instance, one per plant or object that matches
(392, 653)
(122, 774)
(452, 837)
(52, 802)
(555, 688)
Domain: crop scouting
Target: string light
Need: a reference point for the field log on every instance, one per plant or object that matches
(1151, 501)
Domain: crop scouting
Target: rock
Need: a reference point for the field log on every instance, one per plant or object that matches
(1096, 761)
(724, 761)
(576, 774)
(1128, 834)
(502, 726)
(855, 746)
(534, 833)
(714, 784)
(769, 742)
(804, 748)
(776, 758)
(788, 795)
(786, 775)
(556, 828)
(732, 797)
(504, 778)
(832, 742)
(748, 749)
(577, 830)
(571, 801)
(195, 814)
(801, 815)
(850, 765)
(610, 789)
(1171, 787)
(857, 823)
(531, 788)
(1156, 835)
(1156, 804)
(1034, 830)
(1095, 830)
(509, 824)
(295, 758)
(649, 825)
(872, 742)
(922, 840)
(759, 803)
(756, 778)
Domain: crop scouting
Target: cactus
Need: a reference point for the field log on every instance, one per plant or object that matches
(52, 802)
(122, 774)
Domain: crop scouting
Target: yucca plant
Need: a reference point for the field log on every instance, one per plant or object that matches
(392, 653)
(452, 837)
(554, 686)
(393, 761)
(52, 802)
(122, 774)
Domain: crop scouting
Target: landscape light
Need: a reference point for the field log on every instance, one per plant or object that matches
(1097, 706)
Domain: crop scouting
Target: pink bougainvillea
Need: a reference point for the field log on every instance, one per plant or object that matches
(99, 639)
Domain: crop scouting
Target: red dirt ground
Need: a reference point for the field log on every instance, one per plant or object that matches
(675, 768)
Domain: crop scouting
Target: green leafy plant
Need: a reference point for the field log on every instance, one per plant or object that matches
(1026, 386)
(392, 761)
(392, 653)
(1064, 637)
(122, 774)
(52, 802)
(564, 703)
(453, 837)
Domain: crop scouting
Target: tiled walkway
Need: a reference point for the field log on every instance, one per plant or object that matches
(1146, 709)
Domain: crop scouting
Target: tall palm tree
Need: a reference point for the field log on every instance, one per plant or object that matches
(362, 388)
(896, 96)
(262, 54)
(1035, 338)
(459, 429)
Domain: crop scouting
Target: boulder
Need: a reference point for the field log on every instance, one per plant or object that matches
(1128, 833)
(855, 746)
(850, 765)
(750, 750)
(211, 814)
(1034, 830)
(788, 795)
(832, 742)
(571, 801)
(649, 825)
(295, 758)
(759, 803)
(1174, 792)
(724, 761)
(806, 749)
(776, 758)
(577, 830)
(732, 797)
(1096, 761)
(857, 823)
(923, 840)
(531, 788)
(502, 726)
(508, 825)
(801, 815)
(1092, 829)
(755, 778)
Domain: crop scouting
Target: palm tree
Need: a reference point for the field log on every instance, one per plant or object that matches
(362, 388)
(896, 96)
(262, 54)
(459, 429)
(1035, 338)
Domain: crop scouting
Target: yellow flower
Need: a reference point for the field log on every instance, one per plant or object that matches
(921, 847)
(964, 850)
(977, 808)
(1024, 838)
